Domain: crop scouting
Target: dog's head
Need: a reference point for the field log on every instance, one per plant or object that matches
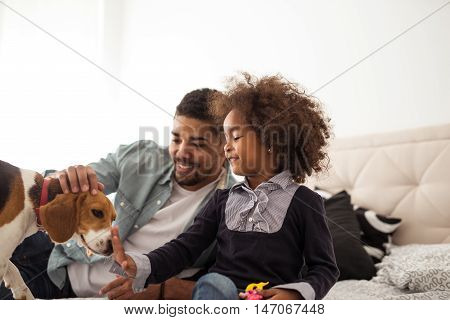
(82, 216)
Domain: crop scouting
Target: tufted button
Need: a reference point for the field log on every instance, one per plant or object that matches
(158, 202)
(68, 245)
(136, 226)
(122, 204)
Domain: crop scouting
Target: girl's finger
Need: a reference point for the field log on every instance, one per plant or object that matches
(119, 252)
(267, 293)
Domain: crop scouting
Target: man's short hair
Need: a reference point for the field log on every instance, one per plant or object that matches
(195, 105)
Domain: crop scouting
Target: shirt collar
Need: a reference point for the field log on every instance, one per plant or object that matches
(282, 179)
(168, 175)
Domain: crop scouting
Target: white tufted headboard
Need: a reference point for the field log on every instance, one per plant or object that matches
(403, 174)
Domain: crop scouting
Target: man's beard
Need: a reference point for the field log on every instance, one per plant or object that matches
(190, 180)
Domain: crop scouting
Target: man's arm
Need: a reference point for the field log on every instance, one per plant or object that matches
(174, 289)
(178, 289)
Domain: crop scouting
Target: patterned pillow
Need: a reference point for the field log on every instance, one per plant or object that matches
(376, 231)
(417, 267)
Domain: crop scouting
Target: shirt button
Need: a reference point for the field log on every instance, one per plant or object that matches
(136, 226)
(68, 245)
(158, 202)
(250, 219)
(122, 204)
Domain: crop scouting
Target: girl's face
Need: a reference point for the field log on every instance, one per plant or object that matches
(243, 149)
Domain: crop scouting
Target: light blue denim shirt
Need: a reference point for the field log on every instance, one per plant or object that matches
(141, 174)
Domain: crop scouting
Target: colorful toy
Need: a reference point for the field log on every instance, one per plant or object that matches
(252, 291)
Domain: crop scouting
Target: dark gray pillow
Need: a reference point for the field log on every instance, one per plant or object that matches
(352, 260)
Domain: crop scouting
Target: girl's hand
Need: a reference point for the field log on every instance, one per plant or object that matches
(281, 294)
(126, 262)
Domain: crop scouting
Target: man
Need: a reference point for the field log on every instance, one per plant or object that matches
(158, 193)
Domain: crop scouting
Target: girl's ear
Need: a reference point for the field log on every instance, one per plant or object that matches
(60, 217)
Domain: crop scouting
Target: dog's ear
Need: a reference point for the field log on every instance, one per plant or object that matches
(60, 217)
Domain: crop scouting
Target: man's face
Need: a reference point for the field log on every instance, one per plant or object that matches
(197, 152)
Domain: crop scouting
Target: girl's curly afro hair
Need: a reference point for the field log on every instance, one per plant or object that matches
(285, 119)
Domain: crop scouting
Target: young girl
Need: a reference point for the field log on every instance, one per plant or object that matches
(267, 227)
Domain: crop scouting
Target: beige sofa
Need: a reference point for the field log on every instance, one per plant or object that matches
(404, 174)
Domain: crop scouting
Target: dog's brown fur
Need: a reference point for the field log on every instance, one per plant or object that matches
(11, 193)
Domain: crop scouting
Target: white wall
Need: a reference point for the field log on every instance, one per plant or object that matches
(57, 109)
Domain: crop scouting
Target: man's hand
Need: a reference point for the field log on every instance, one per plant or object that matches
(121, 289)
(175, 289)
(281, 294)
(79, 178)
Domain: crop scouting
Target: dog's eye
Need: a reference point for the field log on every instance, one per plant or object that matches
(97, 213)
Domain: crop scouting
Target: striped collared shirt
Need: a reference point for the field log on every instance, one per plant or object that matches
(262, 209)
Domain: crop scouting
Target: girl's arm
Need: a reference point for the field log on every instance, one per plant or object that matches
(170, 259)
(322, 271)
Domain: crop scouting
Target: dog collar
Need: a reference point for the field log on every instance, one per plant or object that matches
(43, 201)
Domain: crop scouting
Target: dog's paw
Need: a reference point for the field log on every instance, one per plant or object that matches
(22, 294)
(7, 285)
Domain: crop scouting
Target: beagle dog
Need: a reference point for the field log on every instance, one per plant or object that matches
(29, 203)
